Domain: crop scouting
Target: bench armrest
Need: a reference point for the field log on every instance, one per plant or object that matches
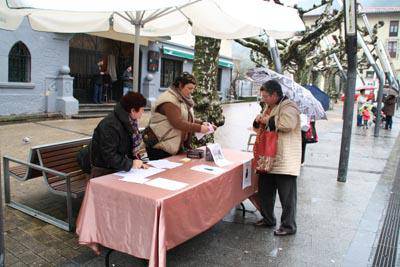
(7, 159)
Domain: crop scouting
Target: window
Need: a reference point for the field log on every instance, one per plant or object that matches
(369, 74)
(219, 77)
(170, 69)
(394, 28)
(392, 48)
(19, 63)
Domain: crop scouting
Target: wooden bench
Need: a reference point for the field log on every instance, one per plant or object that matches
(57, 164)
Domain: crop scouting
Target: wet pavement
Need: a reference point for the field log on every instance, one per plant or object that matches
(338, 223)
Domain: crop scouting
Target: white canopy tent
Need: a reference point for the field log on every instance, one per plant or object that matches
(222, 19)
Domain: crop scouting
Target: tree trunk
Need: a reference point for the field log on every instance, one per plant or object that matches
(205, 69)
(303, 75)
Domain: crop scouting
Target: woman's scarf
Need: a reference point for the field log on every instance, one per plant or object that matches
(136, 137)
(188, 100)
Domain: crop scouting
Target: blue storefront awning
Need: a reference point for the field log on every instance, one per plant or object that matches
(190, 55)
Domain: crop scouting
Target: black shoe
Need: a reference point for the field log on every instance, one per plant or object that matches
(283, 232)
(263, 223)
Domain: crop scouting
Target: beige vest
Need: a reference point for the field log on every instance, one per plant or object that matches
(170, 139)
(288, 155)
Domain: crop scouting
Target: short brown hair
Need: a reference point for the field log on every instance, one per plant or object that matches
(183, 79)
(133, 100)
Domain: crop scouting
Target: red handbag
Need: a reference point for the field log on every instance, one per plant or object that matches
(264, 150)
(311, 134)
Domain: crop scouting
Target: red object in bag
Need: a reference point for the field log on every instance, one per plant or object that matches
(265, 148)
(311, 134)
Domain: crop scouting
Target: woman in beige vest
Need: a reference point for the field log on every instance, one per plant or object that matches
(172, 120)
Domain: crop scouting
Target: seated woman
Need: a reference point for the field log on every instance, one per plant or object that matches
(116, 143)
(172, 121)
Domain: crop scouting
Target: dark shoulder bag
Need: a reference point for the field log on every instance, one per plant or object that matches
(83, 158)
(149, 137)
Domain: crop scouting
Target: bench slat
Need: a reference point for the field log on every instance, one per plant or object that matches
(63, 146)
(77, 187)
(60, 163)
(63, 151)
(55, 182)
(19, 170)
(49, 160)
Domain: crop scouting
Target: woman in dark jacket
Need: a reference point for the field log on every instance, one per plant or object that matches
(117, 143)
(389, 109)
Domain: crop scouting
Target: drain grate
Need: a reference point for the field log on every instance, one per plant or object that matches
(387, 247)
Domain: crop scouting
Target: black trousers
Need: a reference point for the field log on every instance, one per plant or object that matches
(389, 122)
(303, 146)
(155, 154)
(286, 185)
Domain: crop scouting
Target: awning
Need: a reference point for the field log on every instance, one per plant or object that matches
(190, 55)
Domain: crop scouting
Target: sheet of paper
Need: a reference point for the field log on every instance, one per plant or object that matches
(218, 155)
(166, 184)
(139, 173)
(164, 164)
(201, 135)
(207, 169)
(246, 181)
(132, 179)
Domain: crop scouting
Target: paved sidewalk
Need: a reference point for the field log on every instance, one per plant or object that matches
(338, 223)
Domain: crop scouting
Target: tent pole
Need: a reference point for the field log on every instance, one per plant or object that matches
(136, 54)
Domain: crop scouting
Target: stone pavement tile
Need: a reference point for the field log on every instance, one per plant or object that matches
(68, 252)
(18, 264)
(62, 235)
(51, 255)
(29, 257)
(41, 263)
(329, 249)
(73, 242)
(83, 257)
(55, 244)
(10, 258)
(256, 260)
(14, 246)
(18, 234)
(43, 236)
(36, 246)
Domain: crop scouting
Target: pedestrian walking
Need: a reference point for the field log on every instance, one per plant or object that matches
(361, 100)
(98, 75)
(388, 109)
(281, 115)
(127, 77)
(365, 116)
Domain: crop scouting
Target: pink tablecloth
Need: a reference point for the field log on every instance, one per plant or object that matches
(146, 221)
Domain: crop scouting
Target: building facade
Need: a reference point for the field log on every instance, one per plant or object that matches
(49, 72)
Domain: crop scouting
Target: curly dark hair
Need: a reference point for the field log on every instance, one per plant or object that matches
(272, 86)
(183, 79)
(133, 100)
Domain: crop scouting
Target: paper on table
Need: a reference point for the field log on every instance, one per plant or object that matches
(164, 164)
(207, 169)
(139, 173)
(166, 184)
(218, 156)
(246, 181)
(138, 180)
